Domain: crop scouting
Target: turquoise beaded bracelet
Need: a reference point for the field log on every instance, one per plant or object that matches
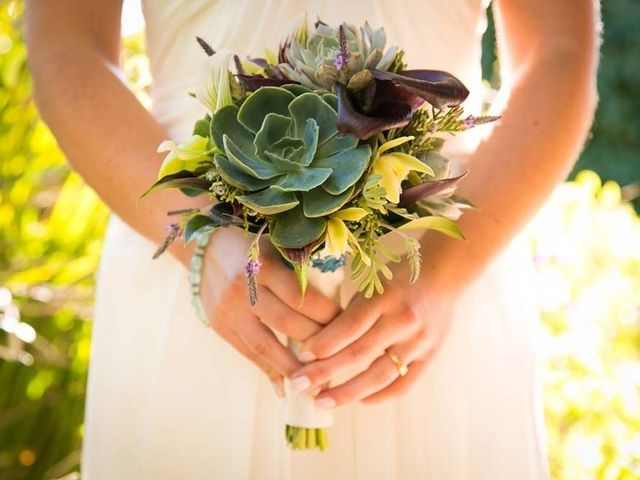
(195, 276)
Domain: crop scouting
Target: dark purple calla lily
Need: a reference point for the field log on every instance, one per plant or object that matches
(411, 195)
(389, 109)
(440, 89)
(254, 82)
(391, 98)
(261, 62)
(391, 101)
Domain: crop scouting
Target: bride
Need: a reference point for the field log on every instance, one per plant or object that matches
(168, 398)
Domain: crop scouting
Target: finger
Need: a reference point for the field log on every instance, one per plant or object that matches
(283, 283)
(400, 386)
(238, 344)
(277, 315)
(262, 342)
(359, 355)
(348, 326)
(382, 373)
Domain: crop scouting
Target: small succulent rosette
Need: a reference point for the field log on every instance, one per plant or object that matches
(325, 148)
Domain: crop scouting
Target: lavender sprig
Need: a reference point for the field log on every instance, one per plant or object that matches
(342, 57)
(472, 121)
(252, 266)
(174, 230)
(251, 270)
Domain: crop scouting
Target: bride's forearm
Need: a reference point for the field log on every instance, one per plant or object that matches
(544, 124)
(107, 135)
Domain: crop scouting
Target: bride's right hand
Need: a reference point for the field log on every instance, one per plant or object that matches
(250, 329)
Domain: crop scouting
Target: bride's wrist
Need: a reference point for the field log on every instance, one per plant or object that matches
(182, 252)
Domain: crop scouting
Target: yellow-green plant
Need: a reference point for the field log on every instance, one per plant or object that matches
(586, 243)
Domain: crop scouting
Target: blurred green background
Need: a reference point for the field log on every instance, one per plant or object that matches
(586, 243)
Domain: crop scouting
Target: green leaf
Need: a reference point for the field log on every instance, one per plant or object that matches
(331, 99)
(292, 229)
(310, 137)
(441, 206)
(296, 89)
(438, 163)
(336, 144)
(223, 214)
(273, 129)
(262, 102)
(182, 179)
(225, 122)
(303, 180)
(441, 224)
(197, 225)
(280, 163)
(318, 203)
(347, 167)
(293, 149)
(237, 177)
(269, 201)
(311, 105)
(299, 258)
(250, 165)
(203, 127)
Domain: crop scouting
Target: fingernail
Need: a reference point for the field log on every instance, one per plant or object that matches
(277, 386)
(325, 402)
(306, 357)
(300, 384)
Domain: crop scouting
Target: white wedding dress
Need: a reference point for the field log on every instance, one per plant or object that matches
(169, 399)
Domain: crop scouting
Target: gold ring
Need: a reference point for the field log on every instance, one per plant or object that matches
(398, 362)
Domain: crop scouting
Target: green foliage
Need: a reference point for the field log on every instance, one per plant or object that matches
(289, 143)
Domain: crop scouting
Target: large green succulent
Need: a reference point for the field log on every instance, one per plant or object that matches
(313, 60)
(282, 149)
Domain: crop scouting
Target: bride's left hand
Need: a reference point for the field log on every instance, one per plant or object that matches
(409, 322)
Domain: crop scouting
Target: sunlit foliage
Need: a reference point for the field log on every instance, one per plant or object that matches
(586, 244)
(51, 228)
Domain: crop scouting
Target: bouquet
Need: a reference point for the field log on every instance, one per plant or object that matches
(324, 147)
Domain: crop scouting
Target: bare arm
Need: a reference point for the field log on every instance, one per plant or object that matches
(548, 57)
(110, 139)
(107, 135)
(549, 52)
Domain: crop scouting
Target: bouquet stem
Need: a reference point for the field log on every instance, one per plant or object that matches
(306, 425)
(300, 438)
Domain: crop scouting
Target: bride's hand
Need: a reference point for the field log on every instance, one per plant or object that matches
(409, 322)
(249, 329)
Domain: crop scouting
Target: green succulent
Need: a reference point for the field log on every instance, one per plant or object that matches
(282, 150)
(313, 60)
